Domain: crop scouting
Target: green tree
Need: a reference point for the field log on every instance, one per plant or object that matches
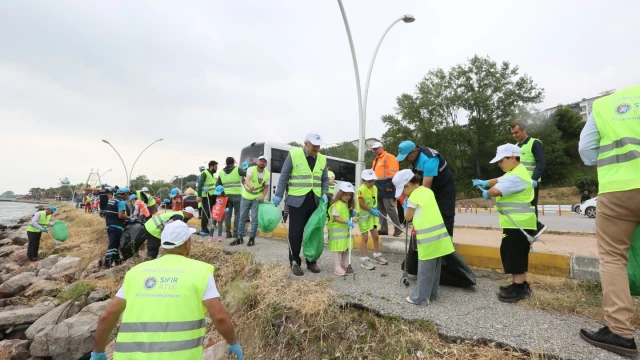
(570, 123)
(294, 144)
(555, 159)
(139, 182)
(8, 195)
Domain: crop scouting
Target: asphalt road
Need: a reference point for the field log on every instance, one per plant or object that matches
(471, 314)
(565, 222)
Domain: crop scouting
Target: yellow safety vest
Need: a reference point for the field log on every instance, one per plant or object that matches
(366, 221)
(151, 200)
(209, 182)
(431, 235)
(331, 186)
(617, 117)
(527, 159)
(88, 200)
(338, 232)
(518, 206)
(156, 224)
(165, 317)
(302, 179)
(232, 182)
(42, 221)
(257, 185)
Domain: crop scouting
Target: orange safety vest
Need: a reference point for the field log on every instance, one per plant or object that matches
(385, 166)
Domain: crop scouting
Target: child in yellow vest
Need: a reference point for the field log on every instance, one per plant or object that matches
(340, 225)
(368, 219)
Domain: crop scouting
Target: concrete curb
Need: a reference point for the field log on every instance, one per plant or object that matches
(561, 265)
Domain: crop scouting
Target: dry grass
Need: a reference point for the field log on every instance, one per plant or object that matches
(556, 196)
(571, 297)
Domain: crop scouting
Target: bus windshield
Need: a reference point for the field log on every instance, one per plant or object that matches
(251, 153)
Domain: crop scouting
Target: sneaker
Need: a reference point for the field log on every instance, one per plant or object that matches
(203, 233)
(380, 260)
(515, 294)
(397, 233)
(504, 288)
(541, 229)
(605, 339)
(383, 233)
(237, 241)
(219, 238)
(339, 271)
(408, 299)
(229, 236)
(251, 242)
(295, 269)
(367, 265)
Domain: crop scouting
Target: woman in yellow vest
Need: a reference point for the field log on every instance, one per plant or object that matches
(513, 192)
(340, 225)
(368, 219)
(36, 227)
(432, 238)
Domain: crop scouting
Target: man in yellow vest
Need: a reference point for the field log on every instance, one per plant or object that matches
(304, 173)
(254, 190)
(231, 179)
(533, 160)
(611, 141)
(206, 188)
(36, 227)
(153, 228)
(147, 199)
(163, 304)
(514, 193)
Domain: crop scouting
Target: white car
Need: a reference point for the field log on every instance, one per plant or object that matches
(589, 207)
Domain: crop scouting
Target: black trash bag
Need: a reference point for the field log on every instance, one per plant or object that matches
(131, 240)
(455, 271)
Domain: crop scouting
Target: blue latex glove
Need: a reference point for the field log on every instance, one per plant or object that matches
(325, 198)
(236, 350)
(132, 220)
(404, 205)
(245, 165)
(485, 194)
(276, 200)
(353, 213)
(45, 230)
(482, 183)
(374, 212)
(98, 356)
(205, 189)
(535, 184)
(226, 210)
(350, 223)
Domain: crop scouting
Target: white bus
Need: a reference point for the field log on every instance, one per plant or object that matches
(276, 154)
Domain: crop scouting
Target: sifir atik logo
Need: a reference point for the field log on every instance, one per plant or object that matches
(150, 283)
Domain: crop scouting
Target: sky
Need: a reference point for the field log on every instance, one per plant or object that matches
(210, 77)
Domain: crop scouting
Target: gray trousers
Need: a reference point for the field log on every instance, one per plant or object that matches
(234, 207)
(387, 208)
(428, 282)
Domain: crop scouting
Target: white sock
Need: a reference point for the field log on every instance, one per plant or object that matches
(364, 258)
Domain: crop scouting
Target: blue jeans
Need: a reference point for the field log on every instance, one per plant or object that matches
(220, 226)
(245, 206)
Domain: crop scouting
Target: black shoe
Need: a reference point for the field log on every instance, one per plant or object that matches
(229, 236)
(251, 242)
(504, 288)
(106, 264)
(295, 269)
(237, 241)
(605, 339)
(383, 233)
(313, 268)
(516, 293)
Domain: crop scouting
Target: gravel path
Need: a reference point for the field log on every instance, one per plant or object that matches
(470, 314)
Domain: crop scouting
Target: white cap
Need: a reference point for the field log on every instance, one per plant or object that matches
(145, 189)
(376, 145)
(314, 138)
(176, 233)
(506, 150)
(400, 179)
(368, 174)
(346, 187)
(262, 158)
(190, 210)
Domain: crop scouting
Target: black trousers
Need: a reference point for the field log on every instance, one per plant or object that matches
(153, 244)
(534, 202)
(298, 218)
(207, 202)
(113, 250)
(34, 244)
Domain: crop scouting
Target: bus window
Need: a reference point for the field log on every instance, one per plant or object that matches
(277, 160)
(347, 172)
(251, 154)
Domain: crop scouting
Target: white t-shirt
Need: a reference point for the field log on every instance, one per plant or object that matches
(211, 292)
(417, 209)
(260, 174)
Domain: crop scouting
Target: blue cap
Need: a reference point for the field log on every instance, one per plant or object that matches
(123, 190)
(133, 196)
(404, 149)
(174, 192)
(202, 167)
(219, 189)
(166, 201)
(52, 208)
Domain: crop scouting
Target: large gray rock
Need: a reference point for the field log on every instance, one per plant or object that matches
(93, 268)
(114, 272)
(19, 240)
(17, 284)
(4, 242)
(49, 262)
(72, 338)
(43, 287)
(22, 316)
(9, 249)
(15, 349)
(66, 267)
(10, 267)
(53, 317)
(97, 295)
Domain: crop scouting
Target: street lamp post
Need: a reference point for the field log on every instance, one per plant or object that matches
(362, 104)
(126, 173)
(103, 174)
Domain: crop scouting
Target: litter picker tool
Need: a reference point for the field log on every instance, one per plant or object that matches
(530, 238)
(405, 275)
(349, 267)
(394, 224)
